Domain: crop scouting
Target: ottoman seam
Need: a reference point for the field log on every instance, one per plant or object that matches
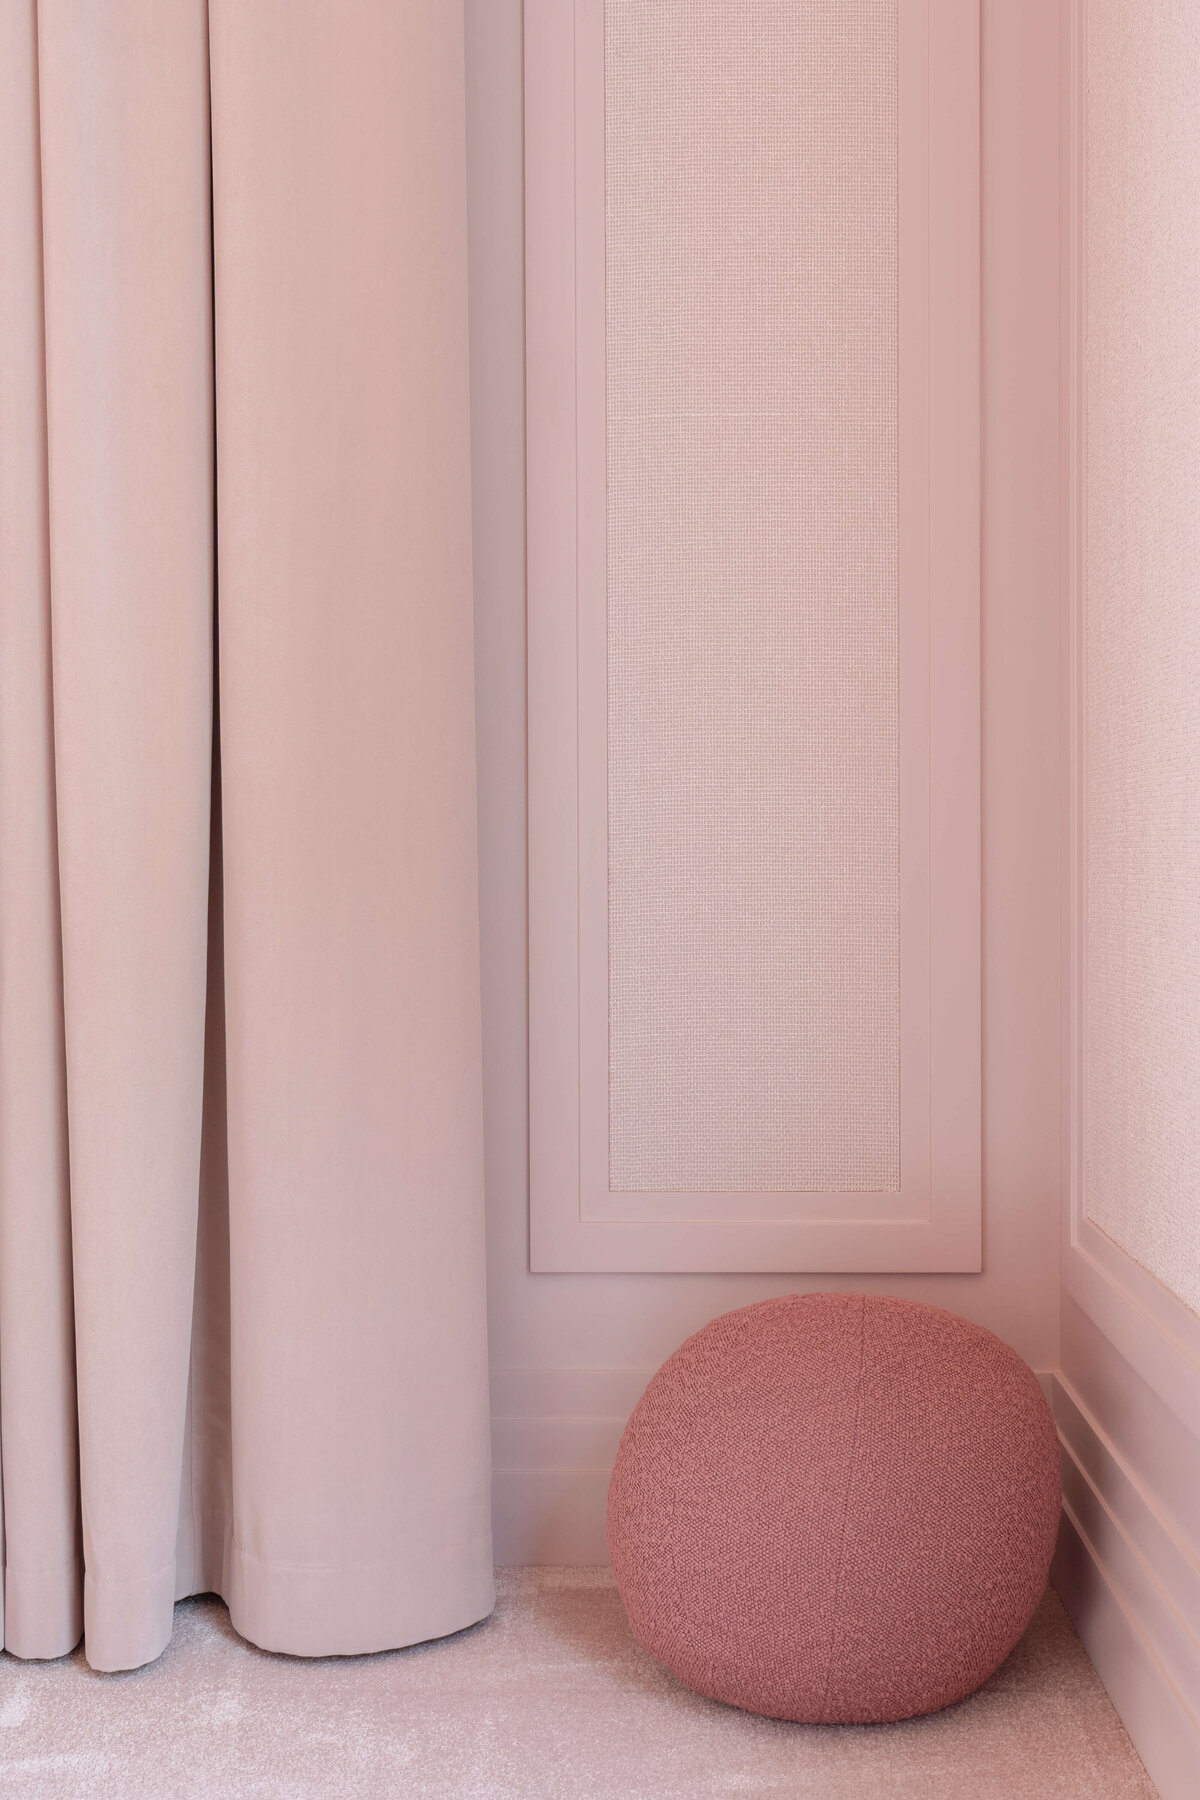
(837, 1584)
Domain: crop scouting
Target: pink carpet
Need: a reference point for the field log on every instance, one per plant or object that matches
(550, 1699)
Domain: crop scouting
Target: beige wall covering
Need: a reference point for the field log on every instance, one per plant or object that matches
(1142, 625)
(753, 707)
(272, 1258)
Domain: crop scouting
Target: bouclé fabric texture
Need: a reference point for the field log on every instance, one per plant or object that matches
(836, 1508)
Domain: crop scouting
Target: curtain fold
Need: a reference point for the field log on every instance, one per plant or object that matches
(238, 962)
(39, 1485)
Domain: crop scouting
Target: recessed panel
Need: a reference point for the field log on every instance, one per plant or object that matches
(752, 594)
(1142, 636)
(752, 290)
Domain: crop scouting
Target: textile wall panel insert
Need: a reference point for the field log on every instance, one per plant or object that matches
(1139, 644)
(753, 372)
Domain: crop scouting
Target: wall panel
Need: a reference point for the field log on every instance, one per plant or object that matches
(752, 303)
(1128, 1394)
(1140, 626)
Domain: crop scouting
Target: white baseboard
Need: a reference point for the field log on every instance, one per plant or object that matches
(554, 1437)
(1131, 1584)
(542, 1516)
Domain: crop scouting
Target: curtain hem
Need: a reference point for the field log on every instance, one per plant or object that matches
(289, 1611)
(128, 1623)
(43, 1611)
(353, 1612)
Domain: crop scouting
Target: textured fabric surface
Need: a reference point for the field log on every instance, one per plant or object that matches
(751, 306)
(836, 1508)
(1142, 623)
(551, 1699)
(242, 1340)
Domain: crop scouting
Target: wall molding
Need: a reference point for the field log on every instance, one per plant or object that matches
(1127, 1570)
(554, 1437)
(568, 1393)
(1131, 1584)
(932, 1221)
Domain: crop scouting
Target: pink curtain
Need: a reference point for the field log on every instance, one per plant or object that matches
(241, 1284)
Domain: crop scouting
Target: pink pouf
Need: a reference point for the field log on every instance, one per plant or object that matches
(835, 1508)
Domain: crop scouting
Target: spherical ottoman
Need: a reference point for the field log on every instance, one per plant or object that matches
(835, 1508)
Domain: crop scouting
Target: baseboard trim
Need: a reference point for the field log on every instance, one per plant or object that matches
(554, 1437)
(550, 1516)
(566, 1393)
(1122, 1573)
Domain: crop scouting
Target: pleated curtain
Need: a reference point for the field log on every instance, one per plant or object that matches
(241, 1281)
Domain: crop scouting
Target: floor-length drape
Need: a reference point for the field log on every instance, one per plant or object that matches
(241, 1289)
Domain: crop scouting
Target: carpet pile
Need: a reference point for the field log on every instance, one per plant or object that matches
(549, 1699)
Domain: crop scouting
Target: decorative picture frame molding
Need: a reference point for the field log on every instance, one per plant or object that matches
(933, 1222)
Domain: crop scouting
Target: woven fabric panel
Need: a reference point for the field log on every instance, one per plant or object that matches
(752, 595)
(1142, 1040)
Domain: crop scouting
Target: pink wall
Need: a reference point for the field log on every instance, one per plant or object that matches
(570, 1352)
(1127, 1389)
